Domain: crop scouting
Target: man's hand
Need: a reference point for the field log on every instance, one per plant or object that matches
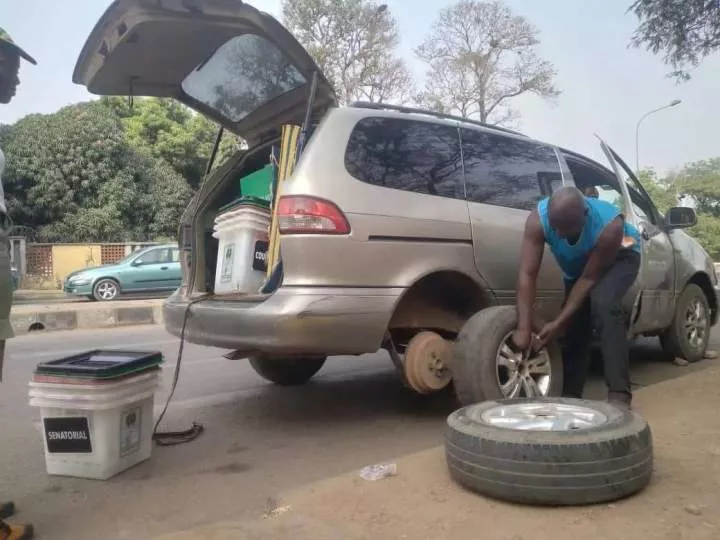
(548, 333)
(522, 339)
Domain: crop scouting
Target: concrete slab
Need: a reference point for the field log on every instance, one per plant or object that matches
(70, 316)
(422, 502)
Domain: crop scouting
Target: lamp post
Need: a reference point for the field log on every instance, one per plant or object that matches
(673, 103)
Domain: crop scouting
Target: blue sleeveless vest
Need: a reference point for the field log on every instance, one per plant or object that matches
(572, 258)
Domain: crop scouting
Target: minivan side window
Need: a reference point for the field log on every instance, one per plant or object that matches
(507, 171)
(410, 155)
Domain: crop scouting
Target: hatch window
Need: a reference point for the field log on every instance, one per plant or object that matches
(244, 74)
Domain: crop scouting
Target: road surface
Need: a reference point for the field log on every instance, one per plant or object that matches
(260, 440)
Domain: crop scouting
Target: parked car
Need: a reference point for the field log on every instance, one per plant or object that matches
(152, 269)
(397, 226)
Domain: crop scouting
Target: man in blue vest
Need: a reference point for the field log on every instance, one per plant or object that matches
(599, 255)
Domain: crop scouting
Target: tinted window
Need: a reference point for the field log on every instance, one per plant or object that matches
(405, 154)
(601, 184)
(595, 182)
(153, 256)
(504, 171)
(244, 74)
(157, 256)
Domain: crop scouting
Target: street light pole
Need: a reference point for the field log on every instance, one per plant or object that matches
(673, 103)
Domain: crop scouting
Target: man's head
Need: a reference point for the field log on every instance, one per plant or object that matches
(567, 212)
(10, 55)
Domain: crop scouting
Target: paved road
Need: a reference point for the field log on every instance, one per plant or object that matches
(260, 440)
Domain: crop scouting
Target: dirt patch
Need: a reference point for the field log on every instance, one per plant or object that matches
(421, 502)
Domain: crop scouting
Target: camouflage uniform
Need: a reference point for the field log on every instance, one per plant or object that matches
(7, 531)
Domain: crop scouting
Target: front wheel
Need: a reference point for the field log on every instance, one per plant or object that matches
(486, 366)
(689, 333)
(287, 371)
(106, 290)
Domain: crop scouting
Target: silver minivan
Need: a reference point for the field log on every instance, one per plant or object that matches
(399, 229)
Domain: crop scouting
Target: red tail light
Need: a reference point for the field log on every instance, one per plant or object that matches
(310, 215)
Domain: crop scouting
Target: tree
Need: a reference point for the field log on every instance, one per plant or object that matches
(480, 56)
(168, 130)
(353, 43)
(661, 191)
(73, 177)
(701, 181)
(684, 31)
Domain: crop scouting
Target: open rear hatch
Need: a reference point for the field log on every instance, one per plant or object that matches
(224, 58)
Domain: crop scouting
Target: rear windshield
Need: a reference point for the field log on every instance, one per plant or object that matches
(241, 76)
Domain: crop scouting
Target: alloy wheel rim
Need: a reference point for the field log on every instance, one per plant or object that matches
(541, 417)
(522, 377)
(695, 326)
(107, 290)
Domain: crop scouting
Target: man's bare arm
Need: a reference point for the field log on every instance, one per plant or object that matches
(601, 257)
(531, 255)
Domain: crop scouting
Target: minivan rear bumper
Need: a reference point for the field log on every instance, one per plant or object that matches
(294, 320)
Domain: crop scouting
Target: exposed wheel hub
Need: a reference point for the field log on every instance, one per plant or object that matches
(427, 362)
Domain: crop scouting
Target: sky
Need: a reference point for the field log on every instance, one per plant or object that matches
(606, 85)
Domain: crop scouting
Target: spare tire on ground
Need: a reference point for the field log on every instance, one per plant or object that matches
(549, 451)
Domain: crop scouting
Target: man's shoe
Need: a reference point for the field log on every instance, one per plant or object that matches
(620, 404)
(16, 532)
(7, 509)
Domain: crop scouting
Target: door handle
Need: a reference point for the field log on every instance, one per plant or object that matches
(163, 268)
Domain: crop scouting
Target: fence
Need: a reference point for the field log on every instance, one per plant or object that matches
(46, 266)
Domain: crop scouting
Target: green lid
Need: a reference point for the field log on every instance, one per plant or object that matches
(246, 200)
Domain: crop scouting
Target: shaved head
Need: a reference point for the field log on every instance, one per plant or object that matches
(567, 212)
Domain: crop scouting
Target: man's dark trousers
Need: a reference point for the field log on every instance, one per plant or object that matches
(602, 310)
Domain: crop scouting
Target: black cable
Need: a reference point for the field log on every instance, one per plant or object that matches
(170, 438)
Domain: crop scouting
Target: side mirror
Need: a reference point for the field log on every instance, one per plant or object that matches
(136, 262)
(680, 217)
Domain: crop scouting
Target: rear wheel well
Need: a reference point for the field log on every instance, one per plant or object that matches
(441, 302)
(703, 281)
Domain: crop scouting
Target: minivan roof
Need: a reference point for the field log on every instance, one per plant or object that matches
(443, 116)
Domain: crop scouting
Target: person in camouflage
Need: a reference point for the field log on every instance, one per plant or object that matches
(10, 57)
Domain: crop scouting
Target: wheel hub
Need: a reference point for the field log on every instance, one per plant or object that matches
(427, 362)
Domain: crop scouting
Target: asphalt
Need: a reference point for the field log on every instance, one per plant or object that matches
(260, 440)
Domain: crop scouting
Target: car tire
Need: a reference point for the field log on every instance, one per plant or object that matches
(287, 371)
(580, 463)
(679, 340)
(476, 373)
(106, 290)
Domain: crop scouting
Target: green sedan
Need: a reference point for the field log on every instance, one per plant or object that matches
(152, 269)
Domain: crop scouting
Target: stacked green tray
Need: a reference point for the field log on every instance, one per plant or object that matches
(258, 184)
(246, 200)
(101, 364)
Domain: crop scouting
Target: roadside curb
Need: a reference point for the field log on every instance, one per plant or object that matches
(27, 320)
